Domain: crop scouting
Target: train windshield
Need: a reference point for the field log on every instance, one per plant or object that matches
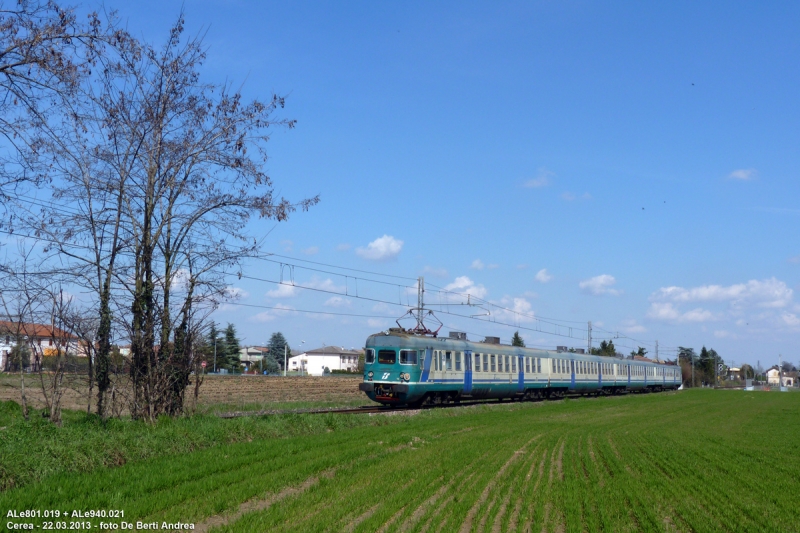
(369, 356)
(387, 357)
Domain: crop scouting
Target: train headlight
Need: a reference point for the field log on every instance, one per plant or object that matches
(370, 374)
(406, 376)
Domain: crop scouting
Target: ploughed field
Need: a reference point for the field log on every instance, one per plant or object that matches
(216, 392)
(688, 461)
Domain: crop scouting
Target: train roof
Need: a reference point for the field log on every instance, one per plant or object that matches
(401, 336)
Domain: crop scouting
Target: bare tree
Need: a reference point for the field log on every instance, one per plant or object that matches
(156, 178)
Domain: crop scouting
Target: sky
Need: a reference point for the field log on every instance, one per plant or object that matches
(630, 164)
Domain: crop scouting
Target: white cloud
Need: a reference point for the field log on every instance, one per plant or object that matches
(770, 293)
(464, 285)
(268, 316)
(630, 326)
(519, 310)
(791, 320)
(287, 245)
(721, 333)
(284, 290)
(568, 196)
(381, 249)
(477, 264)
(795, 259)
(744, 174)
(235, 293)
(337, 301)
(667, 312)
(326, 284)
(542, 179)
(378, 323)
(543, 276)
(600, 285)
(311, 250)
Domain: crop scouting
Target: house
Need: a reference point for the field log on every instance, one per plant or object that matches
(734, 373)
(251, 356)
(42, 340)
(314, 362)
(774, 378)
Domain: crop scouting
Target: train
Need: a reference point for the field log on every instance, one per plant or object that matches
(404, 368)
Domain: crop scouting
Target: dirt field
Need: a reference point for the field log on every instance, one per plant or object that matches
(222, 391)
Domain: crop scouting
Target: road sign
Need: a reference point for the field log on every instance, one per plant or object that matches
(203, 364)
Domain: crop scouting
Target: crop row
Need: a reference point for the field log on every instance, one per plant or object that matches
(691, 461)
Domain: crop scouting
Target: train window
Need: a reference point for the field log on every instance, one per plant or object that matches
(513, 363)
(387, 357)
(485, 362)
(494, 362)
(508, 367)
(458, 361)
(408, 357)
(422, 358)
(477, 365)
(538, 365)
(369, 356)
(499, 363)
(448, 360)
(436, 359)
(527, 364)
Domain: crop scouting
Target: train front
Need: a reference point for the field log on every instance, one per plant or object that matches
(392, 368)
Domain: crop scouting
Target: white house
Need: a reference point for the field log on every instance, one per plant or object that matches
(773, 374)
(313, 362)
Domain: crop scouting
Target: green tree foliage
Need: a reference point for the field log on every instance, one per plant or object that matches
(748, 372)
(516, 340)
(232, 362)
(641, 352)
(606, 349)
(271, 365)
(277, 344)
(20, 355)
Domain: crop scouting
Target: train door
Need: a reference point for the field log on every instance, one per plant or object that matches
(572, 374)
(520, 373)
(467, 371)
(600, 374)
(426, 365)
(629, 374)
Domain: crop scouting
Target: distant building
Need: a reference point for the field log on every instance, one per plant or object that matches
(42, 340)
(250, 356)
(734, 373)
(313, 362)
(774, 378)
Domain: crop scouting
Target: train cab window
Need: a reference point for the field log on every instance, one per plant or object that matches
(369, 356)
(493, 359)
(448, 360)
(477, 365)
(387, 357)
(408, 357)
(458, 361)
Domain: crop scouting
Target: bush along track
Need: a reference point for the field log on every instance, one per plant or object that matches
(692, 461)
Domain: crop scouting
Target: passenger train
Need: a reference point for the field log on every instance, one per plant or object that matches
(405, 368)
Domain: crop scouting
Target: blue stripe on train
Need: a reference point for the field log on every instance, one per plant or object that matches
(468, 371)
(426, 365)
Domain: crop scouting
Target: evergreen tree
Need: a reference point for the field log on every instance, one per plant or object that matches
(212, 342)
(606, 349)
(516, 340)
(641, 352)
(232, 361)
(277, 344)
(271, 364)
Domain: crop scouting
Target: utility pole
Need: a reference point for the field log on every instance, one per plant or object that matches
(284, 359)
(692, 369)
(215, 354)
(590, 338)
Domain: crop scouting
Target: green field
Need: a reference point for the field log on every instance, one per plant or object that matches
(688, 461)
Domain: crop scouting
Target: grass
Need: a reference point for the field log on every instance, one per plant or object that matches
(692, 461)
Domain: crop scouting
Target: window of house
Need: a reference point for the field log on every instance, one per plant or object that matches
(369, 356)
(408, 357)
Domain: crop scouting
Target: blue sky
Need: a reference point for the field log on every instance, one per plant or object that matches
(633, 164)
